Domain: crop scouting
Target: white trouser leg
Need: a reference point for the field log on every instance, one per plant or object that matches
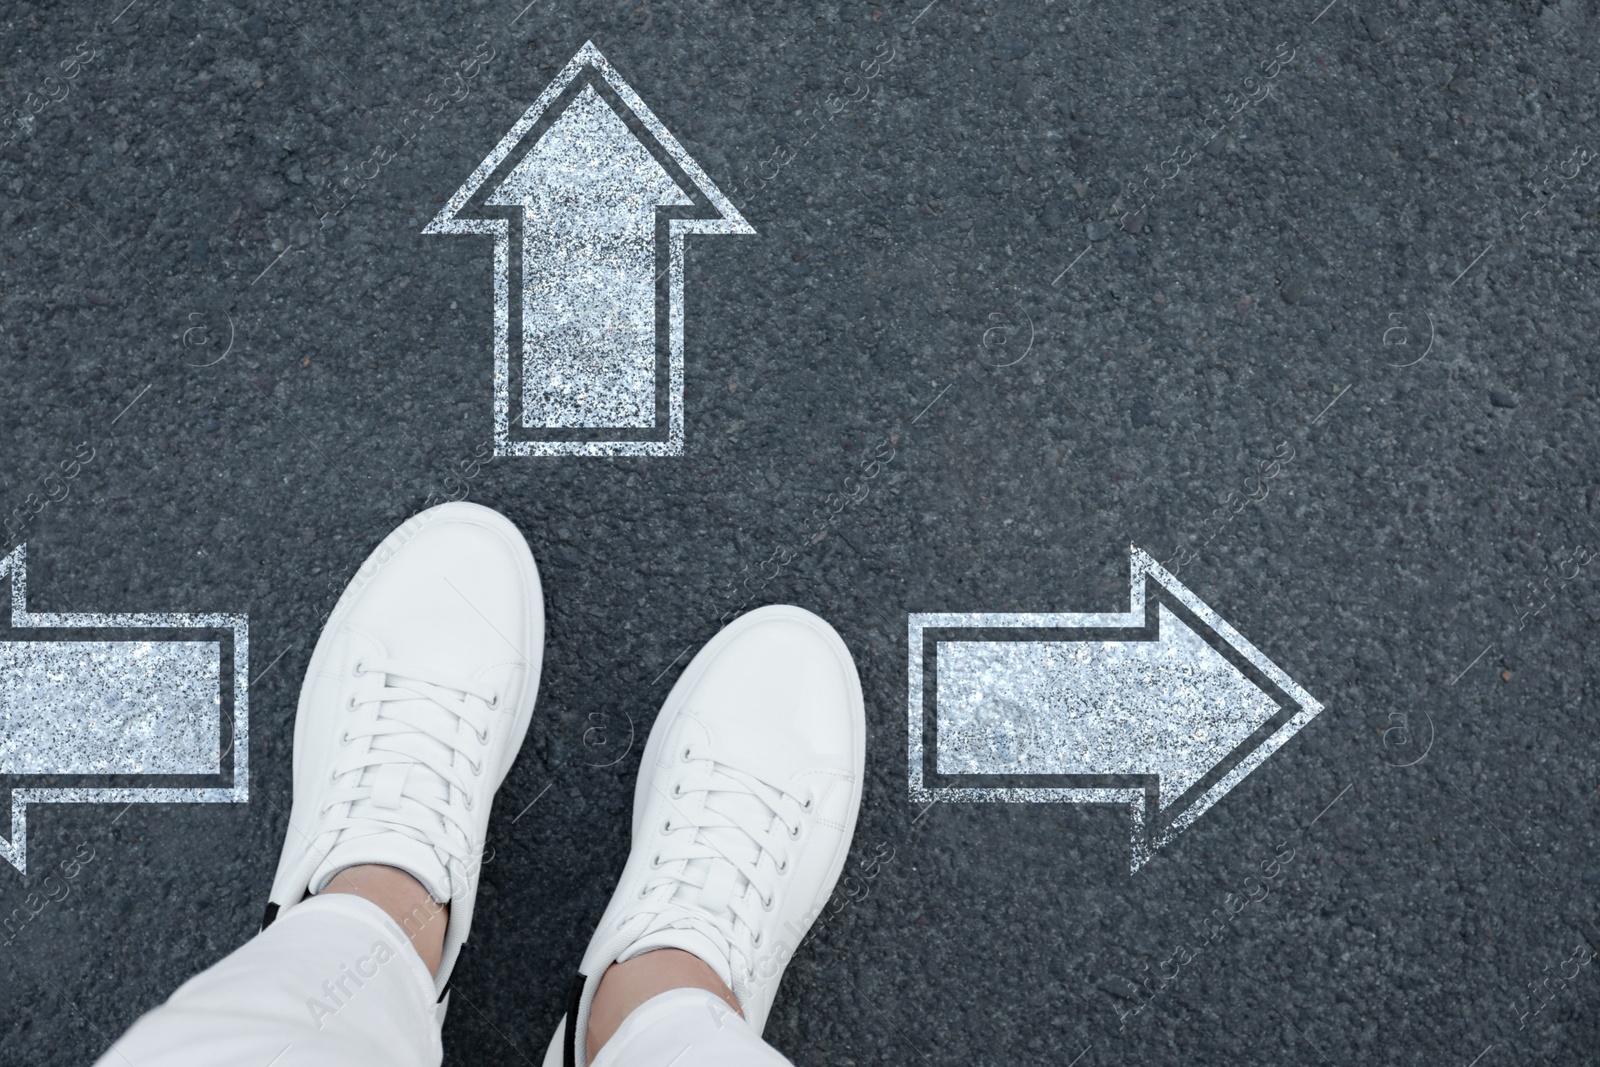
(332, 982)
(686, 1028)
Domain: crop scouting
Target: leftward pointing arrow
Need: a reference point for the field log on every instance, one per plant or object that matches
(1164, 707)
(82, 720)
(588, 193)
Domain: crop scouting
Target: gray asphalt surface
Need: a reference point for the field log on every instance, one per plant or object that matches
(1084, 267)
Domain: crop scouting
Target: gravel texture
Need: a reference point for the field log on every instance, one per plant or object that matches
(1031, 281)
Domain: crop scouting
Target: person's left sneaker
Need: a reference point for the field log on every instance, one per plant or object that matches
(743, 812)
(415, 703)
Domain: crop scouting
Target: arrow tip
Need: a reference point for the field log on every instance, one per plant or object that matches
(590, 164)
(589, 58)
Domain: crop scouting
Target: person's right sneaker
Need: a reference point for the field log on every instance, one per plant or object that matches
(742, 816)
(416, 700)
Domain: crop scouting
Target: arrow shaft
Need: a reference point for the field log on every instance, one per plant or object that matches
(1041, 707)
(589, 325)
(1166, 707)
(110, 707)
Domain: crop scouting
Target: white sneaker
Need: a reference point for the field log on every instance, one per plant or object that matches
(414, 705)
(742, 816)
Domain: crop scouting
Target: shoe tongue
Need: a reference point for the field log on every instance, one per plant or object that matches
(389, 837)
(389, 849)
(712, 952)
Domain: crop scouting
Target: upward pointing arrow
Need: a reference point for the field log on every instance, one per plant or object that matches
(1164, 707)
(589, 192)
(85, 716)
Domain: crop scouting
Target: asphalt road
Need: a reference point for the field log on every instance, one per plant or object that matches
(1084, 268)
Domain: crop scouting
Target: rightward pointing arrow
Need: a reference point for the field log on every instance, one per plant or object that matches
(90, 720)
(587, 195)
(1164, 707)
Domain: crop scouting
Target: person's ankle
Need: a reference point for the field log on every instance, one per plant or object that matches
(626, 986)
(405, 901)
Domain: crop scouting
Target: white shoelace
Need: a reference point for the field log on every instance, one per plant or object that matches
(430, 736)
(717, 872)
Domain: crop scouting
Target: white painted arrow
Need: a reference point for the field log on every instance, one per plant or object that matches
(86, 709)
(589, 192)
(1073, 702)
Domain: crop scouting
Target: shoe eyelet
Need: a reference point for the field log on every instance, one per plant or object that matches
(677, 790)
(756, 941)
(783, 868)
(807, 805)
(494, 701)
(350, 705)
(477, 770)
(687, 754)
(655, 862)
(794, 835)
(360, 668)
(469, 805)
(666, 827)
(644, 891)
(483, 738)
(344, 738)
(766, 905)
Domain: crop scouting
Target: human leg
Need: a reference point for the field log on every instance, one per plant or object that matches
(416, 700)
